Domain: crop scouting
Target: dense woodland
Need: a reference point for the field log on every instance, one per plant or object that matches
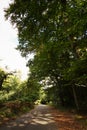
(54, 31)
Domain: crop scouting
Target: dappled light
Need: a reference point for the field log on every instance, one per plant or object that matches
(38, 118)
(67, 120)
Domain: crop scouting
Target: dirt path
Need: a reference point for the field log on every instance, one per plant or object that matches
(39, 118)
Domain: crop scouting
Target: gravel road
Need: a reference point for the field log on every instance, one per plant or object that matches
(39, 118)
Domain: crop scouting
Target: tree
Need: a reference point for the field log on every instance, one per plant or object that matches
(29, 90)
(3, 77)
(56, 31)
(11, 83)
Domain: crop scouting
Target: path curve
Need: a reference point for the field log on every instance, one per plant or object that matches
(39, 118)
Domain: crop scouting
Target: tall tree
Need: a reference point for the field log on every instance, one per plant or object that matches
(56, 31)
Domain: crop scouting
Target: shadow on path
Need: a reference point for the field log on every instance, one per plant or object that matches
(39, 118)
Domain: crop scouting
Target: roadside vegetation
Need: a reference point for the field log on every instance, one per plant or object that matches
(16, 96)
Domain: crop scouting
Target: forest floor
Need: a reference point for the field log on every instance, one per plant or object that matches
(68, 120)
(65, 119)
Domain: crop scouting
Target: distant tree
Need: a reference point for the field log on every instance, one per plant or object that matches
(3, 76)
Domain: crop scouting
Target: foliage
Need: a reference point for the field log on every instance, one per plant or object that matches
(15, 89)
(29, 90)
(3, 76)
(56, 32)
(16, 96)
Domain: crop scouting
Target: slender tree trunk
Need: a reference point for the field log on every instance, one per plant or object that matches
(75, 98)
(76, 57)
(60, 94)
